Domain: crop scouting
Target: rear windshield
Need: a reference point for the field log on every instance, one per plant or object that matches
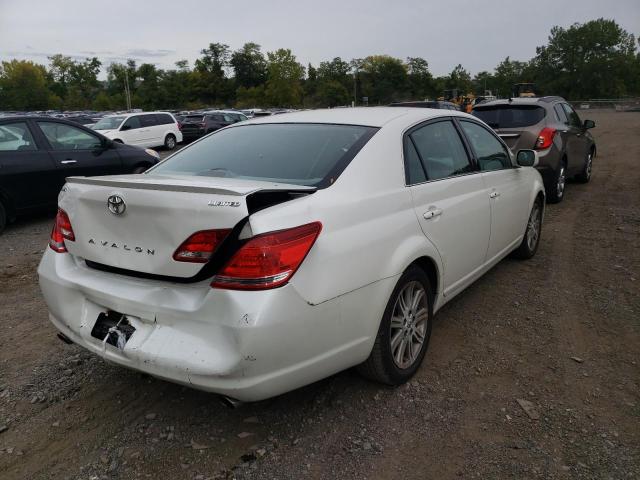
(296, 153)
(193, 118)
(510, 116)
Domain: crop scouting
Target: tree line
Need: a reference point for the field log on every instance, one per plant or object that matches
(597, 59)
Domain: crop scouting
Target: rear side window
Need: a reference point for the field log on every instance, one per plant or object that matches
(441, 150)
(299, 153)
(510, 116)
(164, 119)
(415, 172)
(490, 152)
(562, 116)
(16, 137)
(148, 120)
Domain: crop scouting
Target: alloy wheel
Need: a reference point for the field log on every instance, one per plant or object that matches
(533, 227)
(409, 322)
(561, 182)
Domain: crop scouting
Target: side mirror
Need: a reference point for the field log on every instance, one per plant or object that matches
(588, 124)
(106, 143)
(125, 127)
(527, 158)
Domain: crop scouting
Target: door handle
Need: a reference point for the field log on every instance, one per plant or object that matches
(68, 160)
(431, 213)
(494, 194)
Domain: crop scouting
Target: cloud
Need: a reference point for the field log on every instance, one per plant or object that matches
(144, 52)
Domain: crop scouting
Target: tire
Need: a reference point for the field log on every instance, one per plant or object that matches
(529, 245)
(3, 217)
(585, 175)
(170, 142)
(395, 364)
(555, 191)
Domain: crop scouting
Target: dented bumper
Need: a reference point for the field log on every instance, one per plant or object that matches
(246, 345)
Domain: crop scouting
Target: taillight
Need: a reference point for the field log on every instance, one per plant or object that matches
(199, 247)
(268, 260)
(61, 231)
(179, 125)
(203, 124)
(545, 138)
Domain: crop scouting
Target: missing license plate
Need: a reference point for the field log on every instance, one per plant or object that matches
(113, 328)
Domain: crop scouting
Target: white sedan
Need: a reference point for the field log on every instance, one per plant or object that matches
(276, 252)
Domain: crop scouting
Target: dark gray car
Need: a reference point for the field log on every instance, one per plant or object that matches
(552, 127)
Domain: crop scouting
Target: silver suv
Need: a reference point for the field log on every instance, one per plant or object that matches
(552, 127)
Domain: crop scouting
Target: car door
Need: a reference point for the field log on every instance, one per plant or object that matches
(131, 131)
(28, 175)
(450, 200)
(152, 133)
(506, 188)
(577, 141)
(79, 152)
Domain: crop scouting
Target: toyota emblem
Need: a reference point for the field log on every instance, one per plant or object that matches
(116, 204)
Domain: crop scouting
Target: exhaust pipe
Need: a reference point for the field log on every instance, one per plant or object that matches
(64, 338)
(229, 402)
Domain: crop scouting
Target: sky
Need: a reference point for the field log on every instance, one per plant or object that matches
(476, 34)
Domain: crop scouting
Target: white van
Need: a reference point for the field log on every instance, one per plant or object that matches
(148, 129)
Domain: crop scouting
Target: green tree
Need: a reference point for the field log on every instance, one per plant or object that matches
(284, 81)
(23, 86)
(594, 59)
(211, 84)
(459, 79)
(383, 79)
(419, 79)
(249, 66)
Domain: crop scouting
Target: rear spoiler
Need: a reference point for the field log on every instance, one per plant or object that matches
(149, 184)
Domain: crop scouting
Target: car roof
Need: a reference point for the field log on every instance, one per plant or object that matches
(521, 101)
(127, 115)
(365, 116)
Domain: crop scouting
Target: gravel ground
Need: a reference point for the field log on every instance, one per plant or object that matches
(532, 372)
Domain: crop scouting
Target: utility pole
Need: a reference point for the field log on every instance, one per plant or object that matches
(127, 91)
(355, 86)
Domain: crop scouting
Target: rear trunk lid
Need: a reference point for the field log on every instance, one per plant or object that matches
(151, 215)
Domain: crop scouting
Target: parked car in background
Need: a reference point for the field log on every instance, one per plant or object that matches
(197, 125)
(85, 120)
(148, 129)
(552, 127)
(38, 153)
(439, 104)
(242, 264)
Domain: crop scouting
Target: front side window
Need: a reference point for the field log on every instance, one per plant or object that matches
(16, 137)
(441, 150)
(296, 153)
(574, 119)
(131, 124)
(66, 137)
(490, 152)
(108, 123)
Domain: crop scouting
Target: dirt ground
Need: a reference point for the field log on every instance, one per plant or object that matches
(561, 331)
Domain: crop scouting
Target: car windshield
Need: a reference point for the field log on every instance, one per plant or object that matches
(297, 153)
(510, 116)
(108, 123)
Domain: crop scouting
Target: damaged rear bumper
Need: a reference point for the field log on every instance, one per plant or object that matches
(245, 345)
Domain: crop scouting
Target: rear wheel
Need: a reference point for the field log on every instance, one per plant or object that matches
(555, 191)
(585, 175)
(3, 217)
(170, 142)
(531, 240)
(404, 332)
